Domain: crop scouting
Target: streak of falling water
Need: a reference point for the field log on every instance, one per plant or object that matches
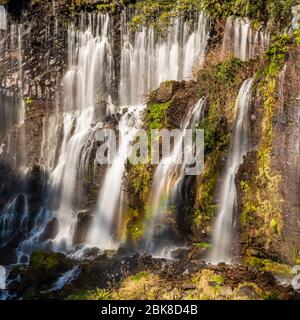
(222, 234)
(109, 200)
(145, 62)
(242, 41)
(14, 218)
(3, 18)
(89, 71)
(166, 179)
(2, 278)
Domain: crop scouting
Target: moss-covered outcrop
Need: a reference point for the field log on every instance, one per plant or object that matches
(44, 268)
(219, 82)
(207, 283)
(264, 203)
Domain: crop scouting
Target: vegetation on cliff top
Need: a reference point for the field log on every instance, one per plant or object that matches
(157, 13)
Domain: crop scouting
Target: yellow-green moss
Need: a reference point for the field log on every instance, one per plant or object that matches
(157, 114)
(97, 294)
(268, 265)
(135, 224)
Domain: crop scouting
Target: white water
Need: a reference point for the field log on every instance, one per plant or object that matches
(168, 174)
(222, 235)
(65, 279)
(144, 65)
(242, 41)
(296, 17)
(3, 18)
(2, 278)
(14, 218)
(147, 61)
(89, 65)
(109, 205)
(87, 91)
(35, 240)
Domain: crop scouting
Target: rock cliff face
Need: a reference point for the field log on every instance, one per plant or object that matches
(284, 162)
(41, 63)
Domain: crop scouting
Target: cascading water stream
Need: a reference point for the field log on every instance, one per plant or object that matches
(88, 74)
(69, 134)
(222, 234)
(145, 63)
(166, 180)
(14, 219)
(149, 59)
(242, 41)
(110, 197)
(3, 18)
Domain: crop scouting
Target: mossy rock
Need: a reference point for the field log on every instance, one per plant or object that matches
(45, 267)
(164, 93)
(248, 291)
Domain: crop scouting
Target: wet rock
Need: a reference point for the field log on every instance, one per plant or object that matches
(44, 268)
(179, 253)
(247, 291)
(7, 256)
(165, 91)
(188, 286)
(51, 230)
(84, 220)
(226, 291)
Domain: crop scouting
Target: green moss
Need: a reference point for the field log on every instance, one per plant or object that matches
(218, 279)
(253, 262)
(135, 225)
(249, 208)
(202, 245)
(277, 54)
(297, 37)
(261, 216)
(157, 114)
(277, 268)
(218, 80)
(139, 276)
(278, 12)
(98, 294)
(140, 179)
(159, 13)
(268, 265)
(28, 101)
(45, 261)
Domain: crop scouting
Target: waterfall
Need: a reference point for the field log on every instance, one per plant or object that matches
(166, 182)
(87, 78)
(68, 136)
(222, 235)
(14, 218)
(35, 239)
(2, 278)
(242, 41)
(148, 58)
(110, 196)
(145, 63)
(3, 18)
